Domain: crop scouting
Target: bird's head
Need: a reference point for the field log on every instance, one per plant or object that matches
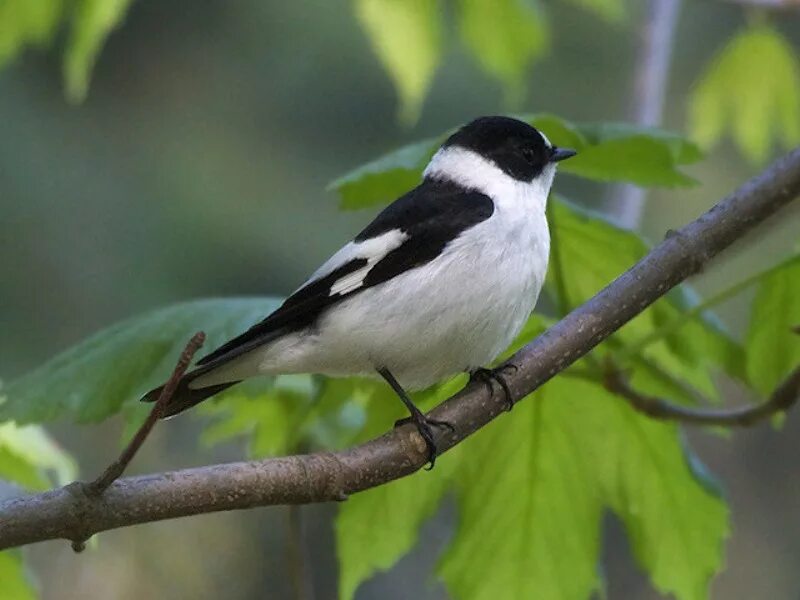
(490, 149)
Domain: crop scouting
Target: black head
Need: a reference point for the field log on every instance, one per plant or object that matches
(514, 146)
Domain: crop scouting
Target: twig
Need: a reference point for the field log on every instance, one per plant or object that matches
(781, 399)
(68, 513)
(115, 469)
(626, 201)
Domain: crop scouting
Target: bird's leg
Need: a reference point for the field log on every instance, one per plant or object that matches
(487, 376)
(423, 423)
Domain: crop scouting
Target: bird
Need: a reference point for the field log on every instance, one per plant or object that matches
(439, 283)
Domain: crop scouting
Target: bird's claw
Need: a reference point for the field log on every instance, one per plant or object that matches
(425, 427)
(487, 376)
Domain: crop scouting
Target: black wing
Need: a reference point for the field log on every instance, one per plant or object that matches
(430, 215)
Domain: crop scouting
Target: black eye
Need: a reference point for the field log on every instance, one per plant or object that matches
(528, 154)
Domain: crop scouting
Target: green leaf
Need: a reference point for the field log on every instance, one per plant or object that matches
(378, 181)
(532, 488)
(528, 515)
(27, 23)
(752, 88)
(594, 252)
(300, 413)
(406, 36)
(92, 22)
(14, 585)
(559, 131)
(504, 37)
(35, 22)
(269, 419)
(682, 151)
(622, 152)
(31, 459)
(92, 380)
(607, 152)
(773, 349)
(400, 507)
(612, 11)
(15, 469)
(641, 159)
(672, 508)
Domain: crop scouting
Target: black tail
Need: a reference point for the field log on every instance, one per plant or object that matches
(185, 397)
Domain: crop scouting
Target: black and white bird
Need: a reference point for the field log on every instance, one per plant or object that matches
(441, 282)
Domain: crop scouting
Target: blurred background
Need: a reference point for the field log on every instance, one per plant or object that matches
(197, 167)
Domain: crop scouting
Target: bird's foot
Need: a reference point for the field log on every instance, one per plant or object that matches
(425, 427)
(487, 376)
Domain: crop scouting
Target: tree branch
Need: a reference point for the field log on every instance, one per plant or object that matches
(71, 514)
(782, 399)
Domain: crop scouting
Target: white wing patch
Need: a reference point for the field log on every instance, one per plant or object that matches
(353, 281)
(373, 249)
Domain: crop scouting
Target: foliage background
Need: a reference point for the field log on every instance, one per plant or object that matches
(196, 167)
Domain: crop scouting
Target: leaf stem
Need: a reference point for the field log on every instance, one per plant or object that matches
(781, 400)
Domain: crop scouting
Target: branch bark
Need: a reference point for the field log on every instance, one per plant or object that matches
(70, 513)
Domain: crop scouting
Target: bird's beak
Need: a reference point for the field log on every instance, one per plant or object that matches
(560, 154)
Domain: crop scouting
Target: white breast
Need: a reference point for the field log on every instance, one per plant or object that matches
(458, 312)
